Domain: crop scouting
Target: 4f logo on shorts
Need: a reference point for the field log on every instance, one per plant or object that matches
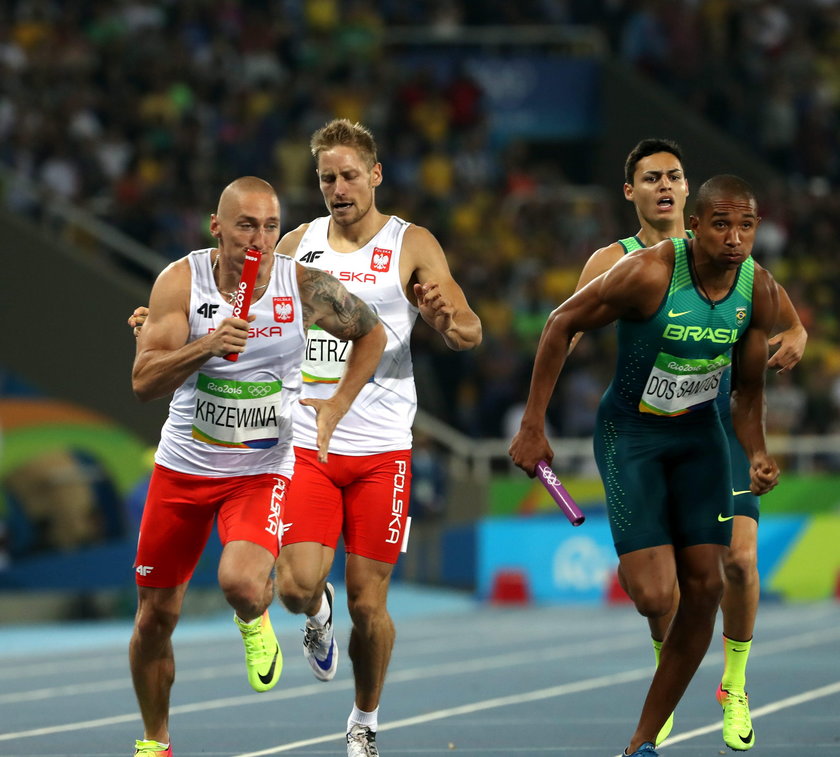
(144, 570)
(284, 309)
(381, 260)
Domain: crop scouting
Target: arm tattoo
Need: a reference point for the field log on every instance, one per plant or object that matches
(328, 303)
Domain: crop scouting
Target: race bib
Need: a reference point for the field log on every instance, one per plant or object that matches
(236, 413)
(325, 358)
(678, 385)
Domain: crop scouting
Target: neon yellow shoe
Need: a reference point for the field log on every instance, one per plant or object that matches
(149, 748)
(665, 731)
(738, 733)
(263, 657)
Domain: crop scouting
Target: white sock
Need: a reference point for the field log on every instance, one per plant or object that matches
(323, 615)
(360, 717)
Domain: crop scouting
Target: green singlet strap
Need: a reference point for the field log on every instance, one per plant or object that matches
(631, 244)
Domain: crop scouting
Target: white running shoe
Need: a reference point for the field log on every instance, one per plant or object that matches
(319, 645)
(361, 742)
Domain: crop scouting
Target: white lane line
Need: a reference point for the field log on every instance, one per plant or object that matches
(444, 669)
(467, 709)
(514, 659)
(426, 671)
(768, 709)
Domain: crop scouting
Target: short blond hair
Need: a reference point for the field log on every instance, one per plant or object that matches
(341, 131)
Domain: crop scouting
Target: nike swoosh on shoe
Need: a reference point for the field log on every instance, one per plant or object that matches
(268, 676)
(326, 663)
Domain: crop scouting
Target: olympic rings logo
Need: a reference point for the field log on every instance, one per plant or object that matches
(550, 478)
(259, 391)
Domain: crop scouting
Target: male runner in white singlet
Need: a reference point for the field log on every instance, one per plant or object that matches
(226, 447)
(362, 492)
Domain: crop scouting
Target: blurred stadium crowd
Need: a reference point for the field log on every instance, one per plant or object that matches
(141, 111)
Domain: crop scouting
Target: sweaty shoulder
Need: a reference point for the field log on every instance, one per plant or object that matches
(640, 278)
(600, 262)
(653, 260)
(289, 242)
(763, 277)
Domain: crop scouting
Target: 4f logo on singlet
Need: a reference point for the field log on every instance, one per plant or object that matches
(381, 260)
(206, 309)
(311, 256)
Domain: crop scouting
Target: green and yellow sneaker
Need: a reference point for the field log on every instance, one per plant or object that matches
(738, 733)
(263, 657)
(149, 748)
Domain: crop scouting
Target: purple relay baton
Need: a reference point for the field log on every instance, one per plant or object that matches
(558, 492)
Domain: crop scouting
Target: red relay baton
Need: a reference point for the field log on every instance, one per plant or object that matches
(558, 492)
(245, 290)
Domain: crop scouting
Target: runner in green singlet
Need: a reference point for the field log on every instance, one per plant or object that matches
(681, 306)
(656, 184)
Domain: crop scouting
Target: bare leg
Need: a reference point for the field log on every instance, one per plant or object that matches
(302, 571)
(701, 587)
(151, 658)
(658, 624)
(245, 578)
(741, 589)
(373, 634)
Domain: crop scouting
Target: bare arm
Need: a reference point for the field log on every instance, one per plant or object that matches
(792, 337)
(625, 291)
(748, 400)
(441, 300)
(599, 262)
(327, 303)
(164, 358)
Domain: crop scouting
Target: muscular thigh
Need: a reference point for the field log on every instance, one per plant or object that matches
(364, 498)
(665, 484)
(633, 474)
(179, 514)
(312, 511)
(173, 531)
(376, 506)
(252, 510)
(700, 485)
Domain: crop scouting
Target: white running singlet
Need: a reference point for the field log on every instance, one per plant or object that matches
(380, 418)
(234, 418)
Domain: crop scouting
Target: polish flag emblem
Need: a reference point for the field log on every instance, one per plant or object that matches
(381, 260)
(284, 309)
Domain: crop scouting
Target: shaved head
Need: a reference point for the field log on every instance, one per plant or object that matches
(723, 186)
(230, 199)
